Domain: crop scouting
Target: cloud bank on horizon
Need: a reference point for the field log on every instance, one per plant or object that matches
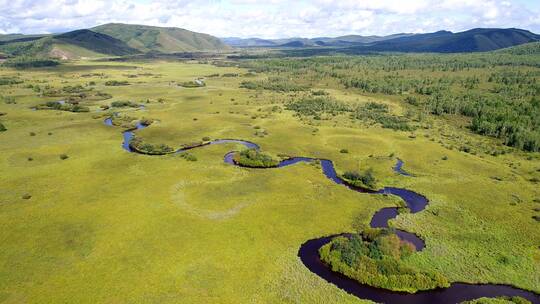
(272, 18)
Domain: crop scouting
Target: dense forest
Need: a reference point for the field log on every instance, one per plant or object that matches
(499, 91)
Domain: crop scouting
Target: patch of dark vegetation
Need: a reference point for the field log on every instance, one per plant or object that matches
(344, 151)
(9, 80)
(188, 156)
(8, 99)
(315, 106)
(64, 156)
(254, 159)
(30, 62)
(358, 179)
(192, 84)
(378, 113)
(2, 127)
(123, 121)
(277, 84)
(375, 257)
(142, 147)
(69, 107)
(116, 83)
(26, 196)
(230, 75)
(124, 103)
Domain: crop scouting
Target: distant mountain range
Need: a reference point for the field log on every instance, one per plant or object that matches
(475, 40)
(117, 39)
(112, 39)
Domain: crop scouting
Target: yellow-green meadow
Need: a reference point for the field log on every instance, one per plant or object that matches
(84, 221)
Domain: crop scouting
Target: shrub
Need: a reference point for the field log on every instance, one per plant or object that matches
(254, 159)
(2, 127)
(206, 138)
(9, 81)
(124, 103)
(361, 179)
(378, 113)
(344, 151)
(188, 156)
(8, 99)
(192, 84)
(64, 156)
(319, 93)
(142, 147)
(114, 83)
(26, 196)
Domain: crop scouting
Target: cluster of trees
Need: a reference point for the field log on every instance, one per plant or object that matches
(315, 105)
(55, 105)
(140, 146)
(73, 94)
(29, 62)
(378, 113)
(358, 179)
(254, 159)
(516, 123)
(277, 84)
(375, 257)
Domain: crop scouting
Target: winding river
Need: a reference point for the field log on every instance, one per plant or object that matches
(309, 251)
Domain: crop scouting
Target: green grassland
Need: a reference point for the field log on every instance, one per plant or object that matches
(108, 226)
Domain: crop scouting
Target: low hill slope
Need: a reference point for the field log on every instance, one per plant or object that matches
(76, 44)
(532, 48)
(160, 39)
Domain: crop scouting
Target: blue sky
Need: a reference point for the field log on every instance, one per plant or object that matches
(272, 18)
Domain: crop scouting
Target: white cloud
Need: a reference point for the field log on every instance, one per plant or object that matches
(271, 18)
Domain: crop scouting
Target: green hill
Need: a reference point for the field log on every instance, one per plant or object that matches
(532, 48)
(160, 39)
(109, 40)
(76, 44)
(95, 42)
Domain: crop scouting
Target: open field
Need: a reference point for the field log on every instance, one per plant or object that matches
(104, 225)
